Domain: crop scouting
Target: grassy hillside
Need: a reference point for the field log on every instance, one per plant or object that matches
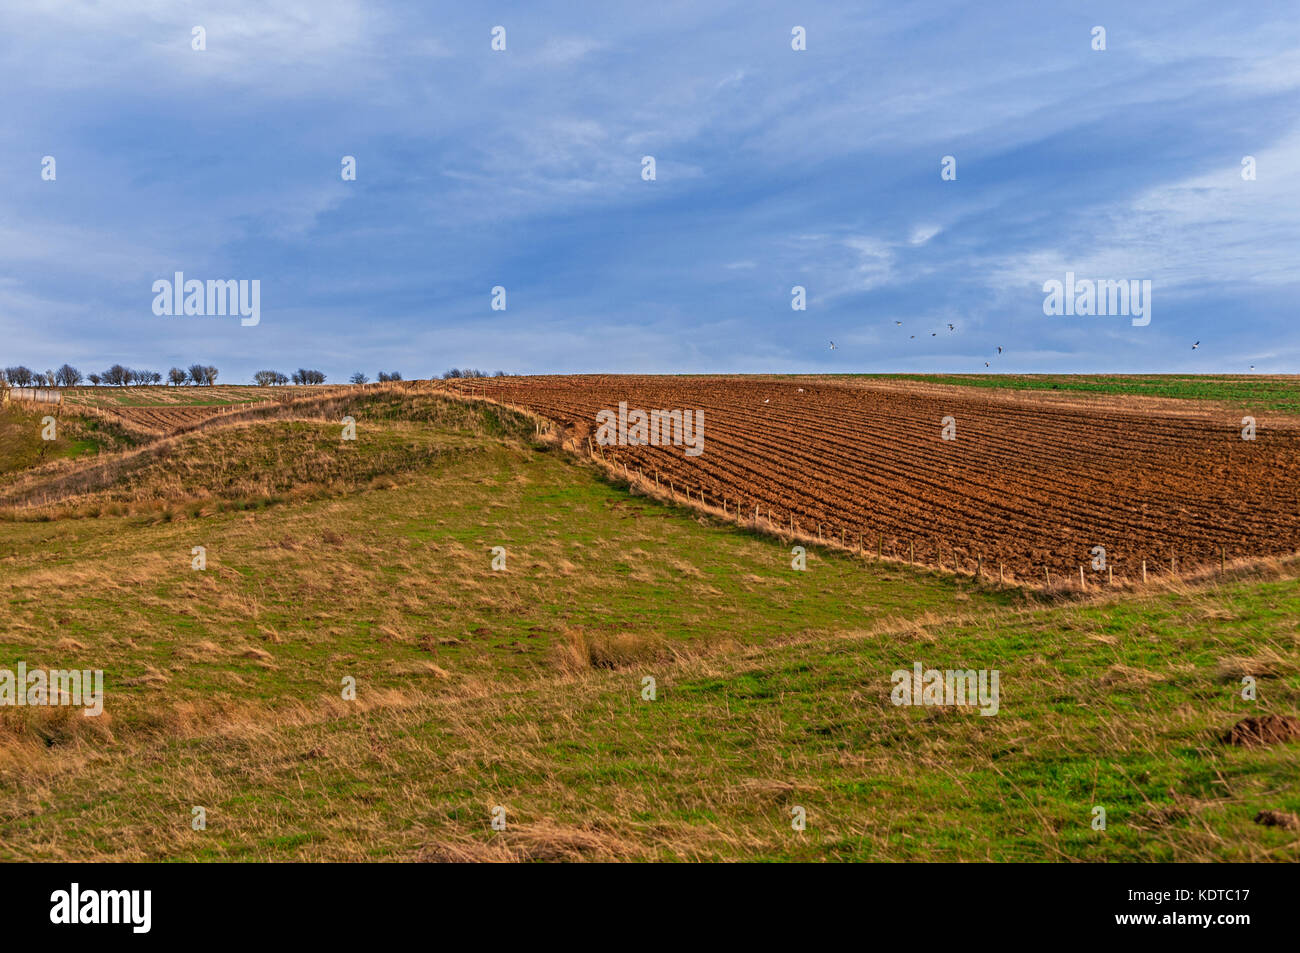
(298, 453)
(522, 688)
(22, 445)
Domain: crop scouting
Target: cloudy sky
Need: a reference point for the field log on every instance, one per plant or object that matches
(774, 168)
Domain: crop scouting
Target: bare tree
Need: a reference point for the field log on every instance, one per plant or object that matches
(68, 376)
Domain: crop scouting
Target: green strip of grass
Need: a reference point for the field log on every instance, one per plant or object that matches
(1242, 392)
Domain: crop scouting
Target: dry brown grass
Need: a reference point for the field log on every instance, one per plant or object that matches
(583, 650)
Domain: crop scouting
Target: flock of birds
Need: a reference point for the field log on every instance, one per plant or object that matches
(933, 334)
(836, 347)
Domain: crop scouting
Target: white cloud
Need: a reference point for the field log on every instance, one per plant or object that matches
(1213, 227)
(923, 233)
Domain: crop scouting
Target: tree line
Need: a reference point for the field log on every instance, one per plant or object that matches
(116, 376)
(20, 376)
(276, 378)
(196, 374)
(458, 372)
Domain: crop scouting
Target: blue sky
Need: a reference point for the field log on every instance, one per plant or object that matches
(775, 168)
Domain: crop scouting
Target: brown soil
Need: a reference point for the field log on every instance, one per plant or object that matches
(1265, 730)
(1277, 819)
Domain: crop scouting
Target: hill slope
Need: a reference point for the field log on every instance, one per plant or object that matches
(522, 688)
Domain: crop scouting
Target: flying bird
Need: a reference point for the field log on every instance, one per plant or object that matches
(999, 348)
(833, 346)
(1196, 345)
(951, 328)
(986, 363)
(899, 323)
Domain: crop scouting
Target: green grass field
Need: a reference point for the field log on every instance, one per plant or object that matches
(523, 688)
(1258, 393)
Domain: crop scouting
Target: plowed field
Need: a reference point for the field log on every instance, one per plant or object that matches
(1028, 482)
(160, 410)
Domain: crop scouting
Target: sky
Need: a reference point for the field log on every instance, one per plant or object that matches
(523, 168)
